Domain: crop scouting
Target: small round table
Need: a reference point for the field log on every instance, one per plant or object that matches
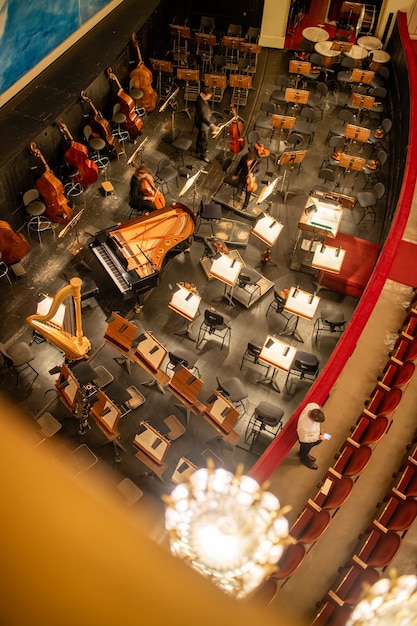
(369, 43)
(325, 49)
(315, 34)
(378, 58)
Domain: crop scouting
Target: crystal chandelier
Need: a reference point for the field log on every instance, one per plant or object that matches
(227, 527)
(389, 602)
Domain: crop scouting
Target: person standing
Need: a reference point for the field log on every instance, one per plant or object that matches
(203, 122)
(245, 176)
(309, 432)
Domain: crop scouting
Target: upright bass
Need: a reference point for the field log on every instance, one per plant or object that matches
(52, 191)
(237, 141)
(13, 246)
(142, 77)
(133, 123)
(101, 128)
(77, 156)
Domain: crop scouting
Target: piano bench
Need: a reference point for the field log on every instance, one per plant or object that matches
(89, 289)
(107, 188)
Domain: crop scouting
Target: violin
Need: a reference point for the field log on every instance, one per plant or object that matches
(101, 128)
(133, 123)
(142, 77)
(13, 246)
(52, 191)
(77, 156)
(237, 142)
(261, 150)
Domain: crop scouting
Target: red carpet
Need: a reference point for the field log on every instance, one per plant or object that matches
(404, 266)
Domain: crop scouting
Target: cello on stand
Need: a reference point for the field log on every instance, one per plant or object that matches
(77, 156)
(143, 80)
(133, 123)
(237, 141)
(51, 190)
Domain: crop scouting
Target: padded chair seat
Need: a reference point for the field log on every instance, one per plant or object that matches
(249, 276)
(211, 212)
(234, 388)
(269, 413)
(21, 353)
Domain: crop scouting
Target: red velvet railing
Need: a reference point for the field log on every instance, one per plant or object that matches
(281, 446)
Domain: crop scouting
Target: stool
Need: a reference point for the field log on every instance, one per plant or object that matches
(107, 188)
(176, 429)
(49, 426)
(97, 144)
(18, 269)
(104, 377)
(266, 417)
(136, 398)
(129, 491)
(119, 118)
(4, 271)
(35, 208)
(137, 94)
(72, 189)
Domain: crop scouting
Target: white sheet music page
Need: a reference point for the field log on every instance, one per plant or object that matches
(226, 269)
(277, 353)
(302, 303)
(328, 258)
(185, 302)
(267, 229)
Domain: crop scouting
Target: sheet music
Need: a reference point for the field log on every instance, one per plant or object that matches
(151, 351)
(226, 269)
(302, 303)
(183, 471)
(109, 415)
(220, 409)
(277, 353)
(152, 444)
(185, 302)
(267, 229)
(329, 259)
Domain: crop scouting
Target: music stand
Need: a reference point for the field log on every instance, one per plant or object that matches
(233, 44)
(301, 68)
(208, 41)
(186, 303)
(241, 84)
(267, 229)
(180, 32)
(226, 269)
(73, 224)
(363, 77)
(159, 65)
(187, 75)
(341, 46)
(349, 162)
(292, 158)
(301, 304)
(218, 83)
(192, 182)
(327, 259)
(283, 122)
(296, 96)
(357, 133)
(361, 102)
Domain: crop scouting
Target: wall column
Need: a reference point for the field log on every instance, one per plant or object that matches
(274, 23)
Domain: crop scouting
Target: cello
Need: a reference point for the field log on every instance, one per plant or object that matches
(142, 77)
(77, 156)
(13, 246)
(133, 123)
(101, 128)
(52, 191)
(237, 142)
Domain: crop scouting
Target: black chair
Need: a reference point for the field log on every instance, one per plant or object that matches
(251, 354)
(264, 122)
(278, 95)
(277, 305)
(228, 175)
(377, 137)
(181, 356)
(18, 356)
(329, 321)
(214, 325)
(166, 173)
(267, 418)
(339, 129)
(206, 24)
(318, 99)
(208, 212)
(368, 200)
(305, 366)
(180, 144)
(248, 280)
(234, 390)
(373, 167)
(328, 176)
(304, 124)
(252, 34)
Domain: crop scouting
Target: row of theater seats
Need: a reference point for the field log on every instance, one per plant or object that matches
(382, 538)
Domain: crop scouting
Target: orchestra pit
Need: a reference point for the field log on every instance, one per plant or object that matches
(140, 345)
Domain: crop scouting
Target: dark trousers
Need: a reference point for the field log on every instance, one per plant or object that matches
(202, 142)
(306, 447)
(240, 189)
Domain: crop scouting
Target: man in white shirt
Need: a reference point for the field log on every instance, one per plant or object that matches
(308, 431)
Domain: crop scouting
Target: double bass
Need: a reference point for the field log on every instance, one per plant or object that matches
(142, 77)
(133, 123)
(13, 246)
(52, 191)
(77, 156)
(237, 141)
(101, 128)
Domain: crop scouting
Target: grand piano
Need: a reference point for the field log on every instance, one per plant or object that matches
(132, 253)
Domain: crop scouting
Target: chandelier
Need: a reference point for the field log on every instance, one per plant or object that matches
(389, 602)
(226, 527)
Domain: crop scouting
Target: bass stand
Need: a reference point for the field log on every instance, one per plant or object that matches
(172, 103)
(73, 224)
(192, 182)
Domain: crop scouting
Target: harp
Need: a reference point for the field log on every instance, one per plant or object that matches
(74, 345)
